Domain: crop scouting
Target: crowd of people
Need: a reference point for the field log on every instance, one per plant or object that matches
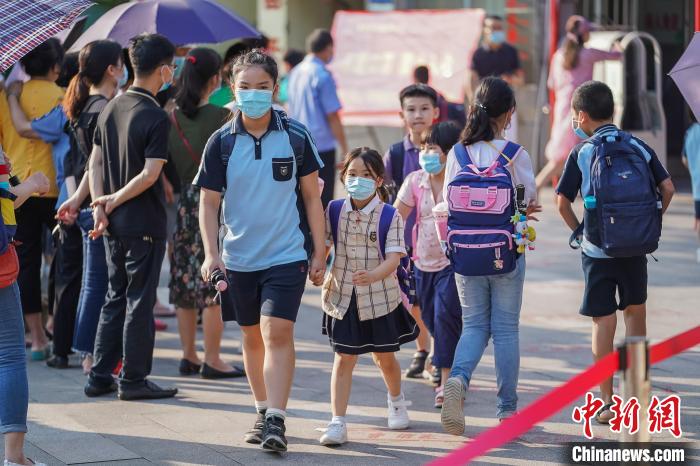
(422, 248)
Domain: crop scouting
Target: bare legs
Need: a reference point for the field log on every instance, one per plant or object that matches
(213, 330)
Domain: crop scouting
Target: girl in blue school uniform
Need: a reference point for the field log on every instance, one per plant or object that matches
(362, 302)
(436, 289)
(267, 164)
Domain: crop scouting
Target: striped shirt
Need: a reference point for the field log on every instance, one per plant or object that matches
(358, 249)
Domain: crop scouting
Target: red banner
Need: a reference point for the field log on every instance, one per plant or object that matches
(376, 53)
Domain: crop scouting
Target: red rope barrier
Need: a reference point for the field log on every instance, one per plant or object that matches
(552, 402)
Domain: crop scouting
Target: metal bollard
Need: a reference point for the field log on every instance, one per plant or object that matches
(635, 382)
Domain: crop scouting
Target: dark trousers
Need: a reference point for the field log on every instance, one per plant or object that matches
(327, 174)
(68, 272)
(35, 214)
(126, 324)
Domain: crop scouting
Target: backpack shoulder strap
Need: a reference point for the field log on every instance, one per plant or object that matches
(297, 136)
(462, 155)
(335, 207)
(509, 153)
(417, 192)
(396, 154)
(383, 227)
(227, 140)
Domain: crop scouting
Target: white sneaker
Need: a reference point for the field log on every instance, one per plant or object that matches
(336, 434)
(398, 414)
(10, 463)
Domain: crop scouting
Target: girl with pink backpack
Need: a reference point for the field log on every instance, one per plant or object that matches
(482, 172)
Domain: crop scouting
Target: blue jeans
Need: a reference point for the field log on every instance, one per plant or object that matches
(14, 389)
(491, 308)
(94, 288)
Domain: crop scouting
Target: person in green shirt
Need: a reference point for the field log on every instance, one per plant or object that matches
(194, 120)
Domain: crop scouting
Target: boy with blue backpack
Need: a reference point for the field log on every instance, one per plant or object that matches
(625, 191)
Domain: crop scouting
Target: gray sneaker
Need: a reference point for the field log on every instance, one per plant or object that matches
(452, 413)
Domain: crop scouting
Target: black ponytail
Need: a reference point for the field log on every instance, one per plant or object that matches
(93, 61)
(493, 98)
(200, 66)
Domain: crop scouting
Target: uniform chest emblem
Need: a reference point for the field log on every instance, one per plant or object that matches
(284, 171)
(373, 237)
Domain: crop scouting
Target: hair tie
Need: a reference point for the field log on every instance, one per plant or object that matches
(481, 106)
(573, 37)
(192, 59)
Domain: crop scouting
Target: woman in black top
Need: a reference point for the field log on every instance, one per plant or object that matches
(102, 73)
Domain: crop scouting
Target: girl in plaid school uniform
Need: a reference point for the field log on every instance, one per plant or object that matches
(363, 310)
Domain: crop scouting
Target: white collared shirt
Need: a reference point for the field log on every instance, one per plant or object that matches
(358, 249)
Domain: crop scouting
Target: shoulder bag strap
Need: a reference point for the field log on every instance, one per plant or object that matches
(185, 142)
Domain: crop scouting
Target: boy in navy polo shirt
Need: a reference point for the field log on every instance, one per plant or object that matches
(592, 112)
(419, 109)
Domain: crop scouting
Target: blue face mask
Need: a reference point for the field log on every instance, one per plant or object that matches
(124, 79)
(254, 103)
(360, 188)
(180, 64)
(577, 130)
(430, 162)
(497, 37)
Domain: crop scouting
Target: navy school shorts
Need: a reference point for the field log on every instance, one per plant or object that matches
(608, 279)
(273, 292)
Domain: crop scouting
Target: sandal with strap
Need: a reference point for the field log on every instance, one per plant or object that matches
(604, 414)
(415, 370)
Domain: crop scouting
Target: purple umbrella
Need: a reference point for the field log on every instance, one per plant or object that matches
(181, 21)
(28, 23)
(686, 74)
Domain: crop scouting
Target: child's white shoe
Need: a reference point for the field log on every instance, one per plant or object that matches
(398, 414)
(336, 434)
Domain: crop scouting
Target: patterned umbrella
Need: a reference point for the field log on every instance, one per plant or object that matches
(181, 21)
(28, 23)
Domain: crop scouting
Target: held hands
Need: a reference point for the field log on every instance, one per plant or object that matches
(363, 278)
(101, 222)
(109, 202)
(317, 269)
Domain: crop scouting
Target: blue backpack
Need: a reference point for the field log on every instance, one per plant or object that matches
(335, 208)
(481, 204)
(626, 218)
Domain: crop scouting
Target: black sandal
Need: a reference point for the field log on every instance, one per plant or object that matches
(604, 408)
(415, 370)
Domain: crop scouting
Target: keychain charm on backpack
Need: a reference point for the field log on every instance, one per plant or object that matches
(524, 235)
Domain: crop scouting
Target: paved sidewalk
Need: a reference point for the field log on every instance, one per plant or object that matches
(205, 423)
